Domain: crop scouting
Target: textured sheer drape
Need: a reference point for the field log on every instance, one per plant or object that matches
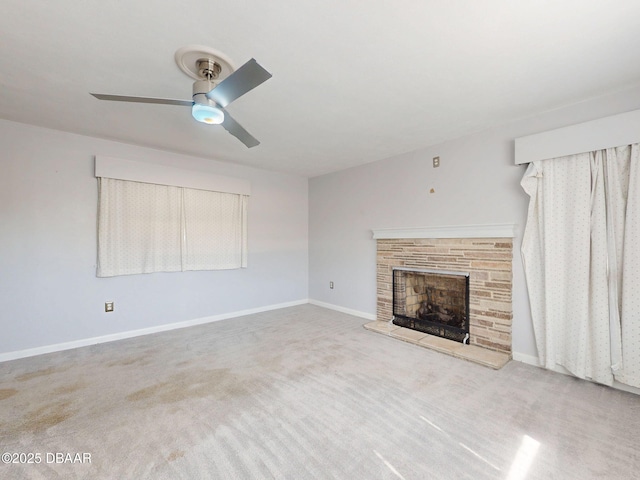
(629, 286)
(215, 230)
(138, 228)
(581, 263)
(144, 228)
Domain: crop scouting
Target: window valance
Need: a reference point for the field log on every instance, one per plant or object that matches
(120, 169)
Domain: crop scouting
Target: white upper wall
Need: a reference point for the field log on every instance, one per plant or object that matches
(477, 183)
(49, 291)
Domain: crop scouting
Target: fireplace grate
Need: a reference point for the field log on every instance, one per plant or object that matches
(433, 302)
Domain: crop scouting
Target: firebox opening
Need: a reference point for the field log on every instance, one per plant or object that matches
(432, 301)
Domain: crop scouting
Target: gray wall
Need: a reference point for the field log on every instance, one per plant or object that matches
(49, 293)
(477, 183)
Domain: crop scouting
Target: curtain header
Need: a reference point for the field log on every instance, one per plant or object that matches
(119, 169)
(607, 132)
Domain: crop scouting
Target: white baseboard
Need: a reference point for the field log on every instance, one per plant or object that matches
(528, 359)
(531, 360)
(85, 342)
(356, 313)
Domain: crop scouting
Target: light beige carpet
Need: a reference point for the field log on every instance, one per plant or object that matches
(305, 393)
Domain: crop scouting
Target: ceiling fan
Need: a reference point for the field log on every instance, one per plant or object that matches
(217, 85)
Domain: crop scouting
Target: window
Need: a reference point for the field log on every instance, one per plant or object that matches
(146, 227)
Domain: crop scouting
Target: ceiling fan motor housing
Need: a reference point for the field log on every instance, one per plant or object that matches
(204, 109)
(200, 90)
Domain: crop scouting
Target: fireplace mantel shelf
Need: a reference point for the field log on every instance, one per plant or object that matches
(498, 230)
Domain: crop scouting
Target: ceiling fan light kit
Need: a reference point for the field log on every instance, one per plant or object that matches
(207, 114)
(204, 109)
(217, 84)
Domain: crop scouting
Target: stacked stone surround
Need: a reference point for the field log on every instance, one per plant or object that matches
(488, 262)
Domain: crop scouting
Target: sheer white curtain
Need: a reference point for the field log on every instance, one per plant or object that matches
(581, 257)
(138, 228)
(215, 230)
(145, 228)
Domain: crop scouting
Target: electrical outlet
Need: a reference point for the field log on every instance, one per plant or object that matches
(108, 306)
(330, 284)
(436, 162)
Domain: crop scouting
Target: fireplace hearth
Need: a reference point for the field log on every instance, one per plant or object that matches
(432, 301)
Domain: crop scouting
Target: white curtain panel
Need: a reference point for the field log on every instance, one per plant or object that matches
(215, 230)
(138, 228)
(630, 274)
(579, 253)
(145, 228)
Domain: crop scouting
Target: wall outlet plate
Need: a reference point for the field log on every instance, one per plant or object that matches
(108, 306)
(436, 162)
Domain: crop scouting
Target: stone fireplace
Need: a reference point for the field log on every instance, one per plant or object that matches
(483, 252)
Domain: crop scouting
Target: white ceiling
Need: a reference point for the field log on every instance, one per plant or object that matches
(354, 81)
